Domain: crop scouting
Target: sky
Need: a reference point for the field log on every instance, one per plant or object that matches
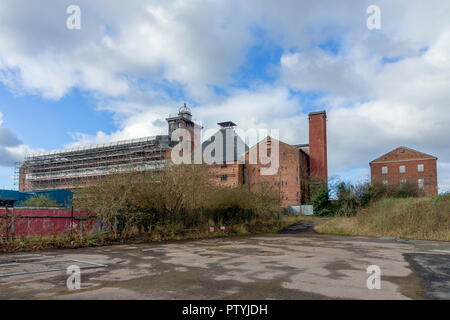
(259, 63)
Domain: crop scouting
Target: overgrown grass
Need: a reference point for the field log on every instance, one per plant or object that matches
(410, 218)
(79, 240)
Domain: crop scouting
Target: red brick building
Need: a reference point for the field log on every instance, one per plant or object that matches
(291, 175)
(67, 169)
(297, 163)
(404, 165)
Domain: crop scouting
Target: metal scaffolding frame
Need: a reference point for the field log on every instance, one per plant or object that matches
(17, 174)
(77, 166)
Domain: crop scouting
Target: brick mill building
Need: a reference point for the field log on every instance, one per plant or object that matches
(298, 164)
(70, 168)
(405, 165)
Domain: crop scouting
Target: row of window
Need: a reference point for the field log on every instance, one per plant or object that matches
(420, 182)
(402, 169)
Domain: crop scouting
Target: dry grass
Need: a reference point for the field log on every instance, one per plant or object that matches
(411, 218)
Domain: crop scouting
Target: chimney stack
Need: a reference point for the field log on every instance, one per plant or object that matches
(318, 145)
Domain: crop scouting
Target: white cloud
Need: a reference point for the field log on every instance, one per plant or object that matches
(248, 109)
(191, 42)
(12, 150)
(128, 53)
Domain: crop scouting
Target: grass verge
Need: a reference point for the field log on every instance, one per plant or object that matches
(410, 218)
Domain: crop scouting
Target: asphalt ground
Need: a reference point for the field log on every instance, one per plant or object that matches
(295, 264)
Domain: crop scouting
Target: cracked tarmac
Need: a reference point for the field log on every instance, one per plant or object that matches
(282, 266)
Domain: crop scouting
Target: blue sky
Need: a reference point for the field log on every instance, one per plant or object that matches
(47, 124)
(259, 63)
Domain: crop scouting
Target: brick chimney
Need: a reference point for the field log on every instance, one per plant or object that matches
(318, 145)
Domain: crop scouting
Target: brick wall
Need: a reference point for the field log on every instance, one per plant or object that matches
(288, 179)
(410, 159)
(229, 175)
(318, 145)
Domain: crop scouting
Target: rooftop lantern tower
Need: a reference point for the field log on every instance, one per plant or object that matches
(182, 120)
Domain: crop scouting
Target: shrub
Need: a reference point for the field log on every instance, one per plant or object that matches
(173, 199)
(320, 198)
(353, 197)
(40, 200)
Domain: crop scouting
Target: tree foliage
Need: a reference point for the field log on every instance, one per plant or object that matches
(40, 200)
(174, 198)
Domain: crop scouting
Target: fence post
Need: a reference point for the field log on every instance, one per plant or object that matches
(71, 220)
(7, 223)
(12, 224)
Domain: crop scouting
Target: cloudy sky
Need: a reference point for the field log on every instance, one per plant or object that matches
(259, 63)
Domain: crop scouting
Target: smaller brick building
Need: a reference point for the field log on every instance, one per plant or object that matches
(291, 179)
(404, 165)
(298, 164)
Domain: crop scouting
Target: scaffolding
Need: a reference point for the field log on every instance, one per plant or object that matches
(17, 166)
(70, 168)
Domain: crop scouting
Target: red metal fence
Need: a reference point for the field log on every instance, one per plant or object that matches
(23, 222)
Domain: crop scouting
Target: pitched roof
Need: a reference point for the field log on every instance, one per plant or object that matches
(403, 153)
(230, 140)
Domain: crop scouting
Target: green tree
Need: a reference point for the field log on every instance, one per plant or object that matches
(320, 198)
(40, 200)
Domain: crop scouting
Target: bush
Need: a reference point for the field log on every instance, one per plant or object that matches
(348, 198)
(379, 191)
(174, 199)
(40, 200)
(353, 197)
(320, 198)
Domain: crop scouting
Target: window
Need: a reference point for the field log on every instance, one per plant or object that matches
(402, 169)
(385, 182)
(421, 183)
(420, 168)
(384, 170)
(402, 181)
(224, 165)
(224, 177)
